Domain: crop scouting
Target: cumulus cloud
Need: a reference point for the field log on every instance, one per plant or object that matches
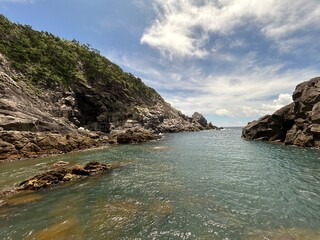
(282, 100)
(251, 89)
(268, 108)
(183, 27)
(224, 112)
(229, 58)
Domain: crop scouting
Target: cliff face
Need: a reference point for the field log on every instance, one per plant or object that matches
(95, 105)
(54, 86)
(295, 124)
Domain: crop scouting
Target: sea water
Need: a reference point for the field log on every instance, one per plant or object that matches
(201, 185)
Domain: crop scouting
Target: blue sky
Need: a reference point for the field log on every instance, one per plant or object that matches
(232, 60)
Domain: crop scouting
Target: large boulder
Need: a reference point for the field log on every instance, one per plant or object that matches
(295, 124)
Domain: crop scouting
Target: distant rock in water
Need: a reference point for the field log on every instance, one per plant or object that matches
(295, 124)
(199, 119)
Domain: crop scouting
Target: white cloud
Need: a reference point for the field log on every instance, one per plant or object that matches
(234, 59)
(283, 99)
(224, 112)
(242, 94)
(251, 89)
(173, 31)
(183, 27)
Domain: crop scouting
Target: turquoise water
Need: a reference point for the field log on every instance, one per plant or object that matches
(203, 185)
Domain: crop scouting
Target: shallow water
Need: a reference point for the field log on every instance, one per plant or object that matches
(204, 185)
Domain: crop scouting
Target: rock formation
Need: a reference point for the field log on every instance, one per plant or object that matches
(61, 175)
(199, 119)
(295, 124)
(82, 100)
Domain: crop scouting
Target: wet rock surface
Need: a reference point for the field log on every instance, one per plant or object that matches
(295, 124)
(61, 175)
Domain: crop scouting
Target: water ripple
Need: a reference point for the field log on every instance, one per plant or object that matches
(205, 185)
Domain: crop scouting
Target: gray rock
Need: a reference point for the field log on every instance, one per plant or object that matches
(295, 124)
(197, 117)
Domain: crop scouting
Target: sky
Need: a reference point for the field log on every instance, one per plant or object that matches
(231, 60)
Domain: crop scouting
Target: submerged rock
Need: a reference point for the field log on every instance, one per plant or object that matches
(295, 124)
(62, 230)
(23, 198)
(56, 176)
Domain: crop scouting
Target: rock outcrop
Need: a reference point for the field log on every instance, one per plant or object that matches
(81, 101)
(61, 175)
(198, 118)
(295, 124)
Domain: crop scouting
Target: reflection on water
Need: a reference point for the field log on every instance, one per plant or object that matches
(207, 185)
(64, 230)
(286, 233)
(112, 218)
(160, 148)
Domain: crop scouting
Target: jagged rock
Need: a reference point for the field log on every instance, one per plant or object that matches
(315, 128)
(315, 113)
(79, 170)
(294, 124)
(43, 180)
(31, 147)
(96, 167)
(53, 177)
(6, 149)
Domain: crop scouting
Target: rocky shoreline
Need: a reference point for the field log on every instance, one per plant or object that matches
(81, 101)
(53, 118)
(295, 124)
(16, 145)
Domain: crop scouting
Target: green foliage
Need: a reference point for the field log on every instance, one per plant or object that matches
(45, 59)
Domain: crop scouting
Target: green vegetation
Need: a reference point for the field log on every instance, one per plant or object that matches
(45, 59)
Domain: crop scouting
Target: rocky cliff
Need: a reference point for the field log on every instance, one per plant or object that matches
(51, 88)
(296, 124)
